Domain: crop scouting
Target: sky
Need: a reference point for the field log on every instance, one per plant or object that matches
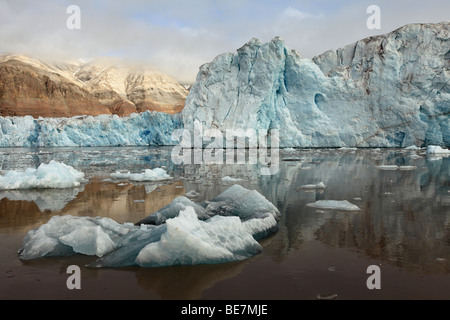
(177, 37)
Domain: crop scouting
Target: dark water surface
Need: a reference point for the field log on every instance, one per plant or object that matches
(403, 226)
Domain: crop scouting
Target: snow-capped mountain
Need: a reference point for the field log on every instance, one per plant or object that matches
(101, 86)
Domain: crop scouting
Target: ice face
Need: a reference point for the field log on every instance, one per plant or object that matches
(147, 128)
(47, 176)
(184, 232)
(399, 94)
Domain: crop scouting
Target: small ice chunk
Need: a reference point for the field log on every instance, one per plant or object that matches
(413, 147)
(437, 150)
(342, 205)
(192, 194)
(319, 185)
(54, 175)
(387, 167)
(156, 174)
(230, 179)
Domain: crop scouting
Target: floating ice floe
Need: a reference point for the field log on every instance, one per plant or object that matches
(156, 174)
(192, 194)
(54, 175)
(319, 185)
(395, 167)
(437, 150)
(230, 179)
(342, 205)
(387, 167)
(413, 147)
(221, 230)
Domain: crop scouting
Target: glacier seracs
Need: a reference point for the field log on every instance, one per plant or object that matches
(227, 228)
(144, 129)
(391, 90)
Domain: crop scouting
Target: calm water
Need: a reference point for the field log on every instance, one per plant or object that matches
(403, 226)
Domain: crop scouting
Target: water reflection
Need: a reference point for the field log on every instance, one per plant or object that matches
(404, 218)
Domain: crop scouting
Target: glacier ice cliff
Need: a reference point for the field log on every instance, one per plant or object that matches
(139, 129)
(390, 90)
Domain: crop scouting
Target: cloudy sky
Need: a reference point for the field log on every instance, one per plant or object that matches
(178, 36)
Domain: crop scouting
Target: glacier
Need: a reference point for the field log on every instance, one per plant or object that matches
(149, 128)
(390, 90)
(226, 228)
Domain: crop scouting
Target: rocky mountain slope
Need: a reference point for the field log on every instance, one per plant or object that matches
(65, 89)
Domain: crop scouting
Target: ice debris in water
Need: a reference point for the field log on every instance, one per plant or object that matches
(437, 150)
(387, 167)
(230, 179)
(156, 174)
(192, 194)
(223, 229)
(319, 185)
(342, 205)
(52, 175)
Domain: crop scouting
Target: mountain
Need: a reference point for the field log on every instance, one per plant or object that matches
(391, 90)
(64, 89)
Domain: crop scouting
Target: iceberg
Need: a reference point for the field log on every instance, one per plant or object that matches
(437, 150)
(227, 228)
(191, 241)
(54, 175)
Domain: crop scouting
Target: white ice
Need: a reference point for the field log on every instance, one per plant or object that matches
(46, 176)
(227, 228)
(319, 185)
(341, 205)
(191, 241)
(156, 174)
(230, 179)
(437, 150)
